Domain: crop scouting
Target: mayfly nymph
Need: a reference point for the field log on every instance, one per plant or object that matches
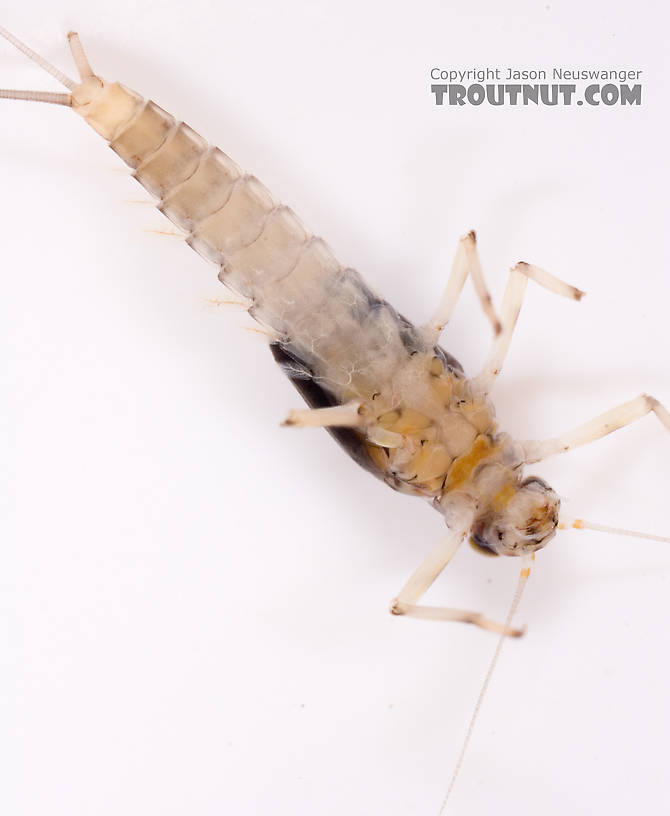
(398, 404)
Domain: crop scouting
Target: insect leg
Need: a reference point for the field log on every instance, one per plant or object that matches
(602, 425)
(465, 263)
(423, 577)
(511, 306)
(343, 416)
(338, 416)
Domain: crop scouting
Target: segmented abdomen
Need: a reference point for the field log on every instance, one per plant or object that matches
(323, 313)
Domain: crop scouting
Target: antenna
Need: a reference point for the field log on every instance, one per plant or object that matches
(523, 579)
(566, 523)
(46, 66)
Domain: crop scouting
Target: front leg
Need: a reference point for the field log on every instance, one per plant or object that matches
(423, 577)
(602, 425)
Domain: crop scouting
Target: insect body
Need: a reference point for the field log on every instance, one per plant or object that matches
(399, 405)
(415, 420)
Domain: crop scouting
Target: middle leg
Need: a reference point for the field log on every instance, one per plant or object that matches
(347, 415)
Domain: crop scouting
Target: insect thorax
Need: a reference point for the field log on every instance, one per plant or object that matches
(445, 432)
(450, 450)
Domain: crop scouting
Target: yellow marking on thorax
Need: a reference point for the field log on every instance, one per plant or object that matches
(432, 461)
(404, 421)
(436, 367)
(478, 415)
(442, 387)
(378, 456)
(447, 428)
(503, 497)
(462, 467)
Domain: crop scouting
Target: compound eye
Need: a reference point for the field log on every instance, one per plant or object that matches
(479, 543)
(535, 480)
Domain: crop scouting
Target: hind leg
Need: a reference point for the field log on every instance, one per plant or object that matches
(511, 306)
(465, 263)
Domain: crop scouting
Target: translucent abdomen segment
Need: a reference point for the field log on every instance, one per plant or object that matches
(289, 304)
(268, 259)
(175, 161)
(205, 192)
(237, 224)
(143, 135)
(112, 108)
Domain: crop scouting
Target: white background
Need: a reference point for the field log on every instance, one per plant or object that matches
(193, 601)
